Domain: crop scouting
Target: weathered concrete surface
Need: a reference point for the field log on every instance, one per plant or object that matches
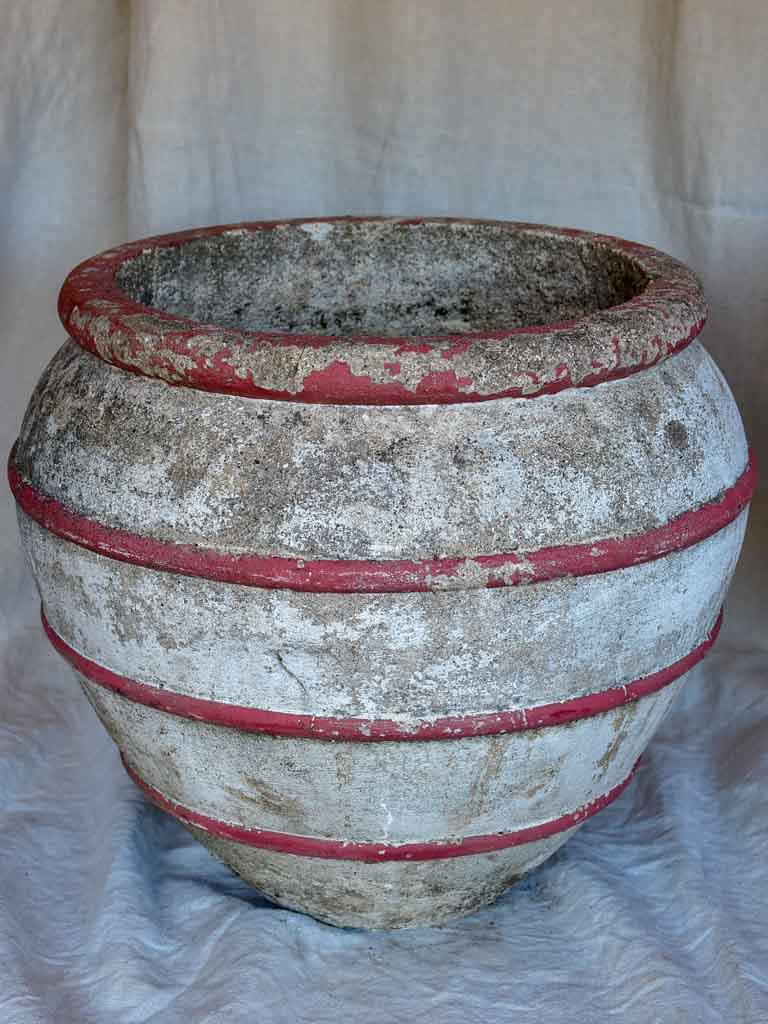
(385, 278)
(390, 895)
(400, 311)
(392, 792)
(308, 479)
(400, 656)
(321, 481)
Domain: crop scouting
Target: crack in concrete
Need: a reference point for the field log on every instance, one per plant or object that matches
(290, 673)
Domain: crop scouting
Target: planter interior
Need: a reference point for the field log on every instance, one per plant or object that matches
(382, 278)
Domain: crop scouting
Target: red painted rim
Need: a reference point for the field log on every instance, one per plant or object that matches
(665, 317)
(364, 730)
(374, 853)
(386, 576)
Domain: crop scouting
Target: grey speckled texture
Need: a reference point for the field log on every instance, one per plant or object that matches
(395, 656)
(320, 481)
(381, 279)
(459, 307)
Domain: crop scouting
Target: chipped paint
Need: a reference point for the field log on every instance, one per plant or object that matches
(663, 315)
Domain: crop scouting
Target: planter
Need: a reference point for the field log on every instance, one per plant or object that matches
(381, 547)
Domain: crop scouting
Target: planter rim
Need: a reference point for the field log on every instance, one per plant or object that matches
(365, 369)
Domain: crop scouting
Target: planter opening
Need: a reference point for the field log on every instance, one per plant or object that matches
(385, 278)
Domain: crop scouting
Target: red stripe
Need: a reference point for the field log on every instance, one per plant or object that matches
(390, 576)
(375, 853)
(144, 340)
(363, 730)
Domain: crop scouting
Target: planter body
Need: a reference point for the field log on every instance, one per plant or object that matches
(378, 590)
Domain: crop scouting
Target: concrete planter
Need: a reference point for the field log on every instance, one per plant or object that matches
(381, 547)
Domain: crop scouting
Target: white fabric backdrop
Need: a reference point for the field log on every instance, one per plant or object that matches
(646, 118)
